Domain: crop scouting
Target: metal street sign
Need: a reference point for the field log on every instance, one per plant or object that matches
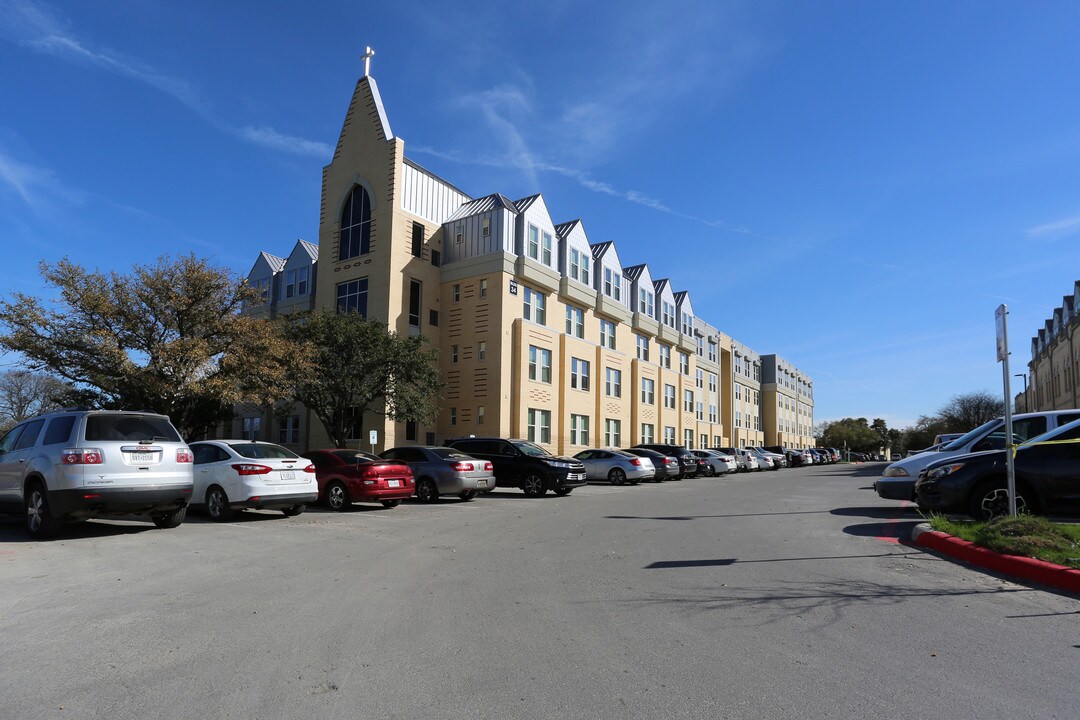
(1002, 340)
(1003, 358)
(373, 437)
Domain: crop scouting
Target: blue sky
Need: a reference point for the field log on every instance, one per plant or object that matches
(853, 185)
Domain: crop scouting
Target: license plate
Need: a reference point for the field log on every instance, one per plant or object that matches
(481, 483)
(288, 475)
(142, 457)
(393, 483)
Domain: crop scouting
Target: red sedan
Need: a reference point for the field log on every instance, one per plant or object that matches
(352, 476)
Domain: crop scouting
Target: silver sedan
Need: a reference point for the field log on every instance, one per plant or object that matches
(616, 466)
(444, 471)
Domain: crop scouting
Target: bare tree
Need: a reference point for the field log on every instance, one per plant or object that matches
(970, 410)
(24, 394)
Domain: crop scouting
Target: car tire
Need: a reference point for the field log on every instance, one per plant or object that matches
(533, 485)
(41, 524)
(217, 505)
(337, 497)
(390, 504)
(563, 491)
(426, 490)
(169, 520)
(710, 471)
(616, 476)
(293, 511)
(467, 495)
(990, 500)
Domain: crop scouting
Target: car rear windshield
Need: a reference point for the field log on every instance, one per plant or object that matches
(130, 428)
(260, 450)
(449, 453)
(356, 456)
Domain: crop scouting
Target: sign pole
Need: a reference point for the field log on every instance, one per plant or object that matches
(1003, 357)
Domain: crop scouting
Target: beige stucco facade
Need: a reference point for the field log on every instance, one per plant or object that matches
(1053, 373)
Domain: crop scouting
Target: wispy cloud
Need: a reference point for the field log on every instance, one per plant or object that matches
(41, 28)
(1055, 230)
(33, 184)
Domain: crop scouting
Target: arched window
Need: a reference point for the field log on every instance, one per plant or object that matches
(355, 224)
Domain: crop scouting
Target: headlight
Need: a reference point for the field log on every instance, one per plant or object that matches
(557, 464)
(944, 470)
(896, 472)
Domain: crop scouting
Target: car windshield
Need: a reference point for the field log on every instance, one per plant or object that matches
(262, 450)
(968, 437)
(450, 454)
(130, 428)
(530, 449)
(356, 456)
(1070, 431)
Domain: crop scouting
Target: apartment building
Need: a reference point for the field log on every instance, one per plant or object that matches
(787, 404)
(1053, 375)
(541, 332)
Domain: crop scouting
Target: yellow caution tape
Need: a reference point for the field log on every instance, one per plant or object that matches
(1014, 447)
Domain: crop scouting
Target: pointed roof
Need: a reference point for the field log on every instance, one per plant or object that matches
(311, 248)
(564, 229)
(276, 263)
(634, 271)
(661, 285)
(526, 202)
(600, 249)
(482, 205)
(377, 98)
(680, 296)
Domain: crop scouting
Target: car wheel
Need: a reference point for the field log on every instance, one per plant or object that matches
(563, 491)
(533, 485)
(991, 500)
(388, 504)
(217, 505)
(467, 495)
(710, 470)
(294, 510)
(616, 476)
(169, 520)
(426, 491)
(337, 496)
(41, 524)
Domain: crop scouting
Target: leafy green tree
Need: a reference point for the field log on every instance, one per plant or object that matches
(358, 367)
(852, 433)
(167, 337)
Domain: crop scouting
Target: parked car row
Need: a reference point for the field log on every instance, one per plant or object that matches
(968, 475)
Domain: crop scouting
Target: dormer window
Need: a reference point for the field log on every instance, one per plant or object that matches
(533, 250)
(579, 266)
(545, 249)
(613, 284)
(485, 229)
(645, 302)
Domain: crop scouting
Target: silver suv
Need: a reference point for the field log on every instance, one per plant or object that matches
(78, 464)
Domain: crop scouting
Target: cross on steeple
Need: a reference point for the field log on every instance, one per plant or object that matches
(368, 54)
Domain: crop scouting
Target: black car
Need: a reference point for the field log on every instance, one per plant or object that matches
(688, 462)
(1047, 478)
(659, 460)
(520, 463)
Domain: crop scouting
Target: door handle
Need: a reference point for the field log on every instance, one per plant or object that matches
(22, 460)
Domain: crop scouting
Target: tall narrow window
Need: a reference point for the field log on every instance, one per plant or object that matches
(485, 227)
(414, 302)
(612, 433)
(579, 429)
(579, 374)
(483, 289)
(539, 428)
(355, 225)
(302, 281)
(417, 239)
(533, 249)
(545, 250)
(607, 334)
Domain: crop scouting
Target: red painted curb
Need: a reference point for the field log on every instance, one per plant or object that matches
(1027, 568)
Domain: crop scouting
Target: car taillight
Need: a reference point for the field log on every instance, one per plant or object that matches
(370, 472)
(184, 456)
(488, 466)
(251, 469)
(636, 462)
(309, 468)
(670, 461)
(82, 456)
(463, 467)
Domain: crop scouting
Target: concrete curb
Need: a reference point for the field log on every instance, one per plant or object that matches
(1039, 571)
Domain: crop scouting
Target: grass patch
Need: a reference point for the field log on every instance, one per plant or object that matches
(1026, 535)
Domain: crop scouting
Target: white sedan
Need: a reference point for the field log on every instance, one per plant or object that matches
(238, 474)
(717, 463)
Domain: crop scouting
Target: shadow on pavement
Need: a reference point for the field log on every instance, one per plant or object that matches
(900, 531)
(883, 512)
(695, 517)
(12, 531)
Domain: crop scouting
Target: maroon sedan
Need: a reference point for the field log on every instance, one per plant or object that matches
(352, 476)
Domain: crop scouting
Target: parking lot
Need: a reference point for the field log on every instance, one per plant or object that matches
(752, 596)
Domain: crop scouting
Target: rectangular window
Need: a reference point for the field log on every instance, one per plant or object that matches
(645, 302)
(453, 354)
(251, 428)
(738, 391)
(712, 382)
(669, 435)
(302, 281)
(700, 377)
(539, 426)
(648, 387)
(415, 287)
(410, 430)
(613, 382)
(575, 321)
(417, 241)
(436, 258)
(701, 346)
(535, 306)
(684, 363)
(433, 318)
(612, 433)
(687, 324)
(485, 227)
(712, 415)
(716, 441)
(688, 439)
(480, 415)
(607, 334)
(642, 347)
(457, 293)
(289, 430)
(579, 429)
(483, 288)
(585, 260)
(481, 350)
(688, 401)
(575, 264)
(539, 364)
(545, 249)
(616, 284)
(665, 355)
(453, 416)
(647, 433)
(290, 283)
(533, 249)
(669, 397)
(700, 410)
(579, 374)
(352, 296)
(703, 441)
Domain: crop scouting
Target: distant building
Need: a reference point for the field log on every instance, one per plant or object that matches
(1054, 369)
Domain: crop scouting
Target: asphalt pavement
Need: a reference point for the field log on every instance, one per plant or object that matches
(766, 595)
